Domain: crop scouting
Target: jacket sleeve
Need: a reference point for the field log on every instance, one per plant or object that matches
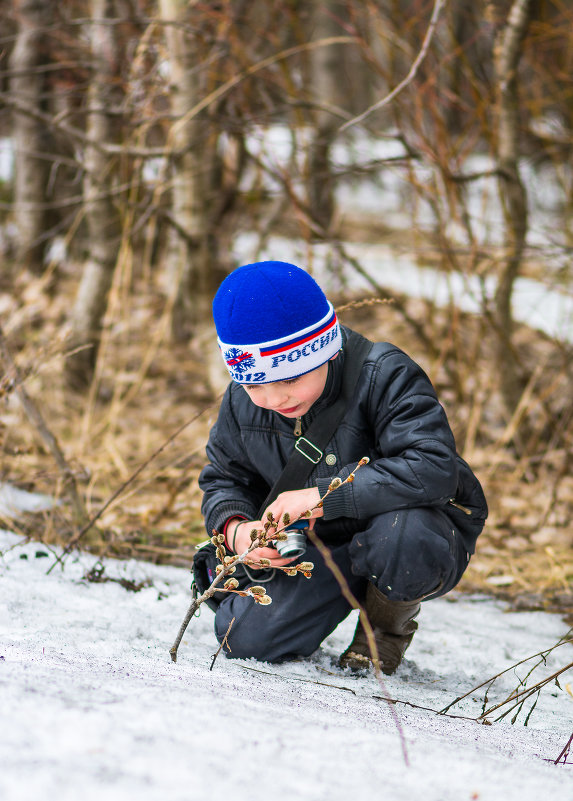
(231, 484)
(413, 452)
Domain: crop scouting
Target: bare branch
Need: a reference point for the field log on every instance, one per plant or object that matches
(254, 68)
(438, 5)
(17, 104)
(565, 752)
(229, 564)
(224, 642)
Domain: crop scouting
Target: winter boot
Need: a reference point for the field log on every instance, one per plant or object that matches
(393, 625)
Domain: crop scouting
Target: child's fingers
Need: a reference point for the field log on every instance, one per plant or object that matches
(271, 554)
(295, 503)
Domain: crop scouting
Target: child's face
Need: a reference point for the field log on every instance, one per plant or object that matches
(293, 397)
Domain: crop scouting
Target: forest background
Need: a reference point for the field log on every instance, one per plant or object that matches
(149, 147)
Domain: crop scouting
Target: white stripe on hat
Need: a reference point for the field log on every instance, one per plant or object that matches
(287, 357)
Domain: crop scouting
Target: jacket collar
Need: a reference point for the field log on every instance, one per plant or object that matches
(333, 385)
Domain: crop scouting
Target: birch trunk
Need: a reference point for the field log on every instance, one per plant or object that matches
(30, 169)
(101, 213)
(513, 194)
(327, 82)
(188, 257)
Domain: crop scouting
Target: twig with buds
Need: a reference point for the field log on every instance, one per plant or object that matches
(272, 530)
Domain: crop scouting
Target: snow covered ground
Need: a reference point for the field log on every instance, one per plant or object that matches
(91, 707)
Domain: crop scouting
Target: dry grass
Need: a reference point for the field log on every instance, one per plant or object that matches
(146, 389)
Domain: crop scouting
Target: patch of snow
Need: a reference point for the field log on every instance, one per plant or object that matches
(6, 159)
(57, 251)
(93, 708)
(397, 192)
(14, 500)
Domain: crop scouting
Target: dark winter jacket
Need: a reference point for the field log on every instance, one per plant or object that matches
(394, 418)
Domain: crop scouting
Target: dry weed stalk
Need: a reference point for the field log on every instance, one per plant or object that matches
(35, 417)
(121, 489)
(565, 752)
(360, 304)
(517, 698)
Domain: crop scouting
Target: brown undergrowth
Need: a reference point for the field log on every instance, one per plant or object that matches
(146, 389)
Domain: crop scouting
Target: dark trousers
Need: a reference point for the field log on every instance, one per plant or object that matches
(408, 554)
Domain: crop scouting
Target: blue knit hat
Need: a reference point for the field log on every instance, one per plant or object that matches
(273, 322)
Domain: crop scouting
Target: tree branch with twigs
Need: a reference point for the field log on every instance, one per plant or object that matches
(412, 72)
(272, 531)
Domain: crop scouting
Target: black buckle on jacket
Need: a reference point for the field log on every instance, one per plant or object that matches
(311, 453)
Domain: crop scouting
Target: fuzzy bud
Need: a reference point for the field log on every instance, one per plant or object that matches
(286, 519)
(218, 569)
(215, 540)
(306, 566)
(291, 572)
(281, 536)
(265, 562)
(231, 584)
(256, 590)
(335, 483)
(264, 600)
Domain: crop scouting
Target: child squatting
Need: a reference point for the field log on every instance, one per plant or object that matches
(401, 533)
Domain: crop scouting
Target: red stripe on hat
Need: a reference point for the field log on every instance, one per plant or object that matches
(291, 345)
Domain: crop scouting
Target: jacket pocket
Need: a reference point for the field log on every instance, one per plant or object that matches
(468, 510)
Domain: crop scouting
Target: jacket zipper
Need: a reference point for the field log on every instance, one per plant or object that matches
(298, 427)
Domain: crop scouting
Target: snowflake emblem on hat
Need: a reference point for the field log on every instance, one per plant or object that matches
(238, 360)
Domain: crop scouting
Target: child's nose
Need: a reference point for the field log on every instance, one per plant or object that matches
(277, 396)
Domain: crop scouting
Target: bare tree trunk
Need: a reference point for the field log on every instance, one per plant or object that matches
(465, 55)
(31, 170)
(508, 51)
(188, 253)
(102, 216)
(327, 82)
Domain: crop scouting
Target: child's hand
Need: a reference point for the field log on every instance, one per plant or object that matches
(294, 503)
(243, 541)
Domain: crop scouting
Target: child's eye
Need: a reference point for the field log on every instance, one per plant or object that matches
(291, 380)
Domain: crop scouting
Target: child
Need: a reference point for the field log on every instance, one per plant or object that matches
(402, 532)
